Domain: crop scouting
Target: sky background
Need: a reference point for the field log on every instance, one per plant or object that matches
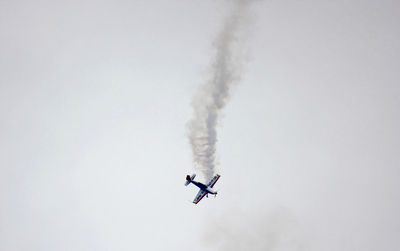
(94, 101)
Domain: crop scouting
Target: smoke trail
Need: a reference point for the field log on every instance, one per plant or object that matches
(212, 96)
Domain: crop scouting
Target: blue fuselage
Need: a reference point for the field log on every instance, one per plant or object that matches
(204, 187)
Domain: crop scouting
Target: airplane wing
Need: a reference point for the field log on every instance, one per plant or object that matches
(214, 180)
(199, 196)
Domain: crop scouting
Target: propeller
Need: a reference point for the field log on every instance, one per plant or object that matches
(216, 192)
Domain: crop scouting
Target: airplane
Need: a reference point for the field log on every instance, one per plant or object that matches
(204, 189)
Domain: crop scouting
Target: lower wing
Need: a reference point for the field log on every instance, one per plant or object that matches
(199, 196)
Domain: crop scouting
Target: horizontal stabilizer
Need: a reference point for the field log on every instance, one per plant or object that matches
(189, 179)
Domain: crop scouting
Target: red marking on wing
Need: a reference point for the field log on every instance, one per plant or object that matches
(197, 201)
(215, 181)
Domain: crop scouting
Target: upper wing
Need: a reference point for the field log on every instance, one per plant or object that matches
(214, 180)
(199, 196)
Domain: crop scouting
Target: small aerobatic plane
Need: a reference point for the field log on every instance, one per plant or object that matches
(204, 189)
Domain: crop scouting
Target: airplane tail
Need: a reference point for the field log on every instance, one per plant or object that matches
(189, 179)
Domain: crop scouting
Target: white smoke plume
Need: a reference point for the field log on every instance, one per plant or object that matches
(213, 95)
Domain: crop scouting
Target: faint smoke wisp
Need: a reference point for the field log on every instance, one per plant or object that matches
(213, 95)
(258, 230)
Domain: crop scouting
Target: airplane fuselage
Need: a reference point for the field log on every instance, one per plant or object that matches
(204, 187)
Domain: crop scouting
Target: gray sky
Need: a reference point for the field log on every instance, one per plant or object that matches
(94, 101)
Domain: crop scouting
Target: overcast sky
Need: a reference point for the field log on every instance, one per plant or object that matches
(94, 101)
